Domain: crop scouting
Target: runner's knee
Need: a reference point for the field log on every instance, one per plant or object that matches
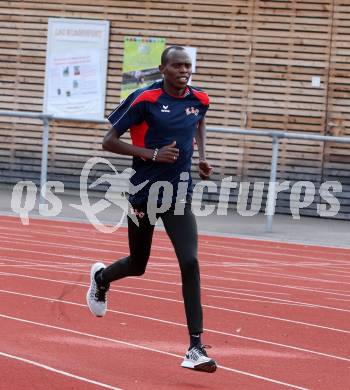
(189, 266)
(137, 267)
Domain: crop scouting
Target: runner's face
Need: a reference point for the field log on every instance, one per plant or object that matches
(178, 69)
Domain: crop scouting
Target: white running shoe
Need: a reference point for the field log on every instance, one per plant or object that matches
(96, 296)
(197, 359)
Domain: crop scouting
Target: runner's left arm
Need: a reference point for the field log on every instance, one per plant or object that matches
(204, 167)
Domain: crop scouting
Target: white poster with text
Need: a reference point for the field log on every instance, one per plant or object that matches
(76, 65)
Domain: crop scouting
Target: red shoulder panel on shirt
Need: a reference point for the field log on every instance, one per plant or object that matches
(151, 95)
(201, 96)
(138, 134)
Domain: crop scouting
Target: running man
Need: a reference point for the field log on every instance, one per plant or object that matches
(163, 119)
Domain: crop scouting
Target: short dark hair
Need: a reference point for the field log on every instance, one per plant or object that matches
(164, 58)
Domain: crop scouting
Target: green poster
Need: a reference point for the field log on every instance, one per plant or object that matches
(141, 61)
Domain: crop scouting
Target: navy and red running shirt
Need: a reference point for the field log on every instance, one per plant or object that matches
(156, 119)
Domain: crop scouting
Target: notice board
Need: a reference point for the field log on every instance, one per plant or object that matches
(76, 68)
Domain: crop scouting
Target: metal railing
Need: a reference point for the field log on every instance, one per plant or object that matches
(274, 134)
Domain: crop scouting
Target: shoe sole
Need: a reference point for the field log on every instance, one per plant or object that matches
(209, 367)
(206, 367)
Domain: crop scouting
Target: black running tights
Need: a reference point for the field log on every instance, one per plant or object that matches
(182, 231)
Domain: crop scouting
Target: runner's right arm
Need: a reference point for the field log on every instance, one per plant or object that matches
(112, 143)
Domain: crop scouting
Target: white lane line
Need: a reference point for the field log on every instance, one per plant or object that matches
(150, 289)
(256, 300)
(45, 262)
(109, 249)
(139, 346)
(46, 267)
(339, 271)
(339, 275)
(60, 265)
(298, 288)
(170, 249)
(58, 224)
(45, 244)
(11, 236)
(61, 269)
(234, 290)
(55, 254)
(230, 291)
(57, 371)
(82, 227)
(171, 264)
(213, 288)
(284, 346)
(338, 299)
(203, 275)
(279, 275)
(181, 302)
(240, 243)
(279, 250)
(254, 273)
(87, 236)
(70, 256)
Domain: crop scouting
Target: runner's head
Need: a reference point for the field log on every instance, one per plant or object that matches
(176, 68)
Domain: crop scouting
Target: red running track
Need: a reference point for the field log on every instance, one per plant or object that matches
(276, 314)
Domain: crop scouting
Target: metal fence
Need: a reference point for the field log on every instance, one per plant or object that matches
(275, 136)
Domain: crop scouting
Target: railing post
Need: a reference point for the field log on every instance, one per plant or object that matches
(270, 202)
(44, 157)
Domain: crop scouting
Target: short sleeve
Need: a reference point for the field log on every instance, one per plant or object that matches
(129, 112)
(203, 99)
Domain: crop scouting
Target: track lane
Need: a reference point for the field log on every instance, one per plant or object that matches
(84, 346)
(236, 353)
(300, 268)
(298, 334)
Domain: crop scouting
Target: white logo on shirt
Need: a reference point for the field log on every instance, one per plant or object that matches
(191, 110)
(165, 109)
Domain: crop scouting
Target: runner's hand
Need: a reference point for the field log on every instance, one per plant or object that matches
(168, 153)
(205, 170)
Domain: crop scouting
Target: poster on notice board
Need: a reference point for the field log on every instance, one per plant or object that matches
(141, 61)
(76, 67)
